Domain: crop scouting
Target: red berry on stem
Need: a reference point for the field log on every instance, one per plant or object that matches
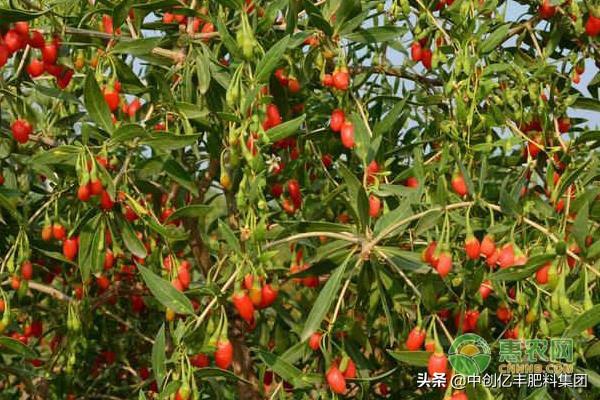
(58, 231)
(21, 130)
(426, 58)
(488, 246)
(337, 120)
(416, 52)
(444, 265)
(416, 338)
(70, 248)
(547, 10)
(374, 206)
(83, 193)
(472, 247)
(314, 342)
(35, 68)
(592, 26)
(347, 134)
(459, 185)
(223, 354)
(268, 295)
(37, 40)
(49, 53)
(243, 306)
(13, 41)
(438, 363)
(27, 270)
(341, 79)
(336, 380)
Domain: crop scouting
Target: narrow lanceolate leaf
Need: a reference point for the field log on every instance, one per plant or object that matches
(519, 272)
(362, 136)
(91, 247)
(159, 366)
(229, 237)
(494, 39)
(95, 104)
(586, 320)
(174, 169)
(131, 241)
(272, 58)
(285, 129)
(14, 15)
(282, 368)
(376, 34)
(202, 71)
(166, 293)
(390, 118)
(120, 12)
(165, 141)
(193, 211)
(12, 346)
(324, 302)
(414, 358)
(580, 229)
(137, 47)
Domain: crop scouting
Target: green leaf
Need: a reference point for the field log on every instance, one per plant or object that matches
(131, 241)
(427, 222)
(414, 358)
(180, 175)
(282, 368)
(323, 303)
(203, 70)
(57, 94)
(587, 103)
(120, 12)
(405, 260)
(494, 39)
(228, 40)
(580, 226)
(272, 58)
(593, 350)
(165, 141)
(166, 293)
(156, 5)
(316, 269)
(14, 15)
(390, 118)
(91, 247)
(229, 236)
(585, 320)
(376, 34)
(126, 133)
(218, 372)
(285, 129)
(168, 232)
(16, 347)
(59, 155)
(138, 47)
(95, 104)
(518, 272)
(400, 213)
(55, 255)
(129, 80)
(190, 110)
(362, 137)
(192, 211)
(159, 366)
